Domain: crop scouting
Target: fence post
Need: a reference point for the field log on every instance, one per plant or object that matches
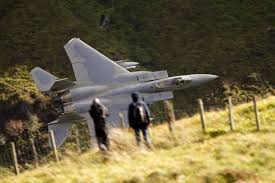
(121, 119)
(256, 113)
(14, 158)
(34, 152)
(202, 115)
(171, 115)
(78, 148)
(52, 139)
(231, 118)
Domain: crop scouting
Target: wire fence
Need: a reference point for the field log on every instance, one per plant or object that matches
(36, 150)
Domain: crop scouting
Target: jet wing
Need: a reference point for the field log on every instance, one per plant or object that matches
(150, 98)
(89, 65)
(113, 118)
(120, 104)
(115, 105)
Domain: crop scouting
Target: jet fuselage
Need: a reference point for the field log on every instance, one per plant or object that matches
(82, 97)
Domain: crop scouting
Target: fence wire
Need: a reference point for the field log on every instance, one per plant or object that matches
(216, 119)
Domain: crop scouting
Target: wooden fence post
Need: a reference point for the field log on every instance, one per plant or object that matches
(202, 115)
(34, 152)
(231, 118)
(52, 139)
(256, 113)
(14, 158)
(121, 119)
(78, 148)
(171, 115)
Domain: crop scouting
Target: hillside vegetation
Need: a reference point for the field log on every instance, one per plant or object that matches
(187, 156)
(232, 39)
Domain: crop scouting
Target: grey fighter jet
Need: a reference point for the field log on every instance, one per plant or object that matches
(97, 76)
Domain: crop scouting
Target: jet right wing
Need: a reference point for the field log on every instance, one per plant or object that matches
(150, 98)
(120, 104)
(89, 65)
(115, 104)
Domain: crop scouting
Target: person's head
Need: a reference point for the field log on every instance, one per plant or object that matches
(135, 96)
(96, 101)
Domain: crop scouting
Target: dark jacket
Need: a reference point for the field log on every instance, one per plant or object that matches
(132, 121)
(98, 112)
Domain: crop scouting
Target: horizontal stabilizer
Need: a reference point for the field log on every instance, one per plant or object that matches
(61, 131)
(61, 127)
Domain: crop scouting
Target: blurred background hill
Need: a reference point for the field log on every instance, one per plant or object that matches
(233, 39)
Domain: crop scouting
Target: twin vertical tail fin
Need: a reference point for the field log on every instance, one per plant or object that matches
(43, 80)
(46, 81)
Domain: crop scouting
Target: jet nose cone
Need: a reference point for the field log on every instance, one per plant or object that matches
(198, 79)
(210, 77)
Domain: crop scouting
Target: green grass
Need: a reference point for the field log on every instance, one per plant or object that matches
(226, 38)
(187, 156)
(17, 82)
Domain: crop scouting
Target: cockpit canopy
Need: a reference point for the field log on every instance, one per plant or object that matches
(182, 80)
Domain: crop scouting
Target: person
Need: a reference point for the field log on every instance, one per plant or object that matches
(139, 119)
(99, 113)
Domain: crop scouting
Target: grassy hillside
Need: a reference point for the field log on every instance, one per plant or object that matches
(188, 156)
(232, 39)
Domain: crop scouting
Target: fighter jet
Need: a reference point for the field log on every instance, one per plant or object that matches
(97, 76)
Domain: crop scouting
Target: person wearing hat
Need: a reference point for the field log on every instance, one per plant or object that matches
(139, 119)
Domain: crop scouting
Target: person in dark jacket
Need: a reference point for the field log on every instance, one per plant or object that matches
(99, 113)
(139, 119)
